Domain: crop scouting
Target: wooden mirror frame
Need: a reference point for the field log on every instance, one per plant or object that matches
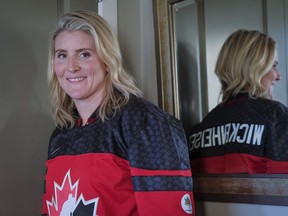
(165, 62)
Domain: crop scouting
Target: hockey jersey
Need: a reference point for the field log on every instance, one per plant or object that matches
(242, 135)
(134, 164)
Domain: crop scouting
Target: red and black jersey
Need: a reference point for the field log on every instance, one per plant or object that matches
(242, 135)
(135, 163)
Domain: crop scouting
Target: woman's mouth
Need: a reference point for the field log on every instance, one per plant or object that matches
(76, 79)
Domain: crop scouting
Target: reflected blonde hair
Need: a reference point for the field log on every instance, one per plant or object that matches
(119, 84)
(245, 57)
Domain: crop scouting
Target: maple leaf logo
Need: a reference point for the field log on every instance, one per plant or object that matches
(187, 201)
(65, 203)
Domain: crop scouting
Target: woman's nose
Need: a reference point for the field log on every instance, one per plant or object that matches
(278, 75)
(73, 65)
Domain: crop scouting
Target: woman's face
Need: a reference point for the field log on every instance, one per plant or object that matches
(77, 66)
(269, 79)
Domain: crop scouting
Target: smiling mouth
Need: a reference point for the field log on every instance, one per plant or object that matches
(76, 79)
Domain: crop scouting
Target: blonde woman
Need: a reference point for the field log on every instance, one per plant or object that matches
(112, 152)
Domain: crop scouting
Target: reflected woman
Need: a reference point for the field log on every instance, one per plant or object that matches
(247, 132)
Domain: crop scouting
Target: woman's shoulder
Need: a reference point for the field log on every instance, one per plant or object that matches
(140, 107)
(140, 111)
(270, 105)
(259, 104)
(140, 114)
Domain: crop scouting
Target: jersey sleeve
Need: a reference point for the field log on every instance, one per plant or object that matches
(160, 168)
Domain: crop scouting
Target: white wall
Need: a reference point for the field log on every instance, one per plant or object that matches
(25, 123)
(25, 120)
(136, 36)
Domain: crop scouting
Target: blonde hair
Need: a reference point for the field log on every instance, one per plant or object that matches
(119, 84)
(245, 57)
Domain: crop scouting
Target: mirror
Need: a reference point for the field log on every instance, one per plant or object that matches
(188, 36)
(178, 38)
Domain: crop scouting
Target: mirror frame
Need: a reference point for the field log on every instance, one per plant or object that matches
(269, 189)
(166, 76)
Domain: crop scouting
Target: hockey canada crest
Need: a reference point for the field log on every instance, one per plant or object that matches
(186, 204)
(66, 201)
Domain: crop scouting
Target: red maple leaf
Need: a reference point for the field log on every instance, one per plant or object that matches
(62, 195)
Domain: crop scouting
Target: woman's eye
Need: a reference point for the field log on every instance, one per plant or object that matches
(85, 55)
(61, 55)
(275, 65)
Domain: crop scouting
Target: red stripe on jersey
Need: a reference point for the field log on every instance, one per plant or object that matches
(238, 163)
(277, 166)
(229, 163)
(145, 172)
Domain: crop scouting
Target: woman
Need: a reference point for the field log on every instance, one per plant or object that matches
(247, 132)
(112, 152)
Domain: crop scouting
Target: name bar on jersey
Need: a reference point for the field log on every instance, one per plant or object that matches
(228, 133)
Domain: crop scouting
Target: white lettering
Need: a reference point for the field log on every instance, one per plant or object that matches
(233, 135)
(258, 132)
(192, 141)
(244, 128)
(198, 139)
(227, 133)
(208, 137)
(250, 134)
(216, 136)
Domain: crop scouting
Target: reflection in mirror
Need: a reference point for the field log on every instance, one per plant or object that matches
(176, 55)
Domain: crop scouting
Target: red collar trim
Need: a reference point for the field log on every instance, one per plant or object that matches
(89, 121)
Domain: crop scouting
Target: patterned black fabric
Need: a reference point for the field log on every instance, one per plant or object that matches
(244, 115)
(161, 183)
(140, 133)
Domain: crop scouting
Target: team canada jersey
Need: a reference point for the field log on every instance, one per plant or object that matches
(134, 164)
(243, 135)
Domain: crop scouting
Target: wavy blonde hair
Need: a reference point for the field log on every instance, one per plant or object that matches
(119, 84)
(245, 57)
